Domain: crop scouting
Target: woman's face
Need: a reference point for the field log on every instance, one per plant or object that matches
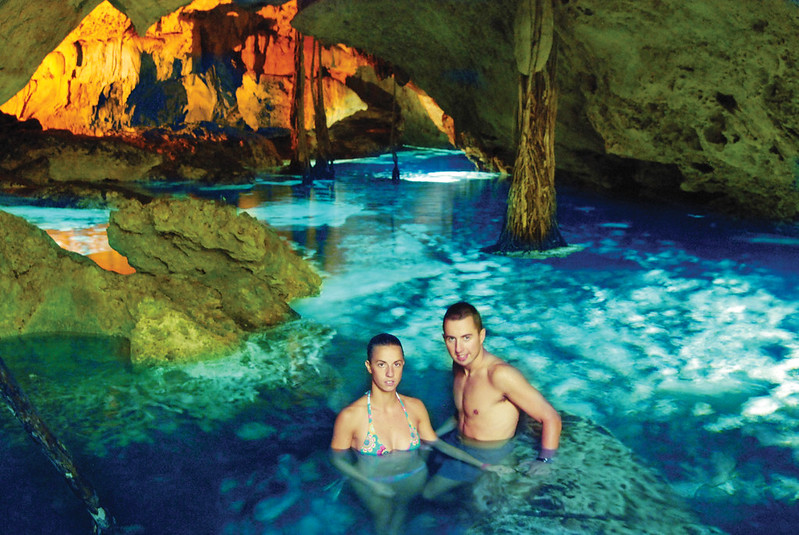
(386, 367)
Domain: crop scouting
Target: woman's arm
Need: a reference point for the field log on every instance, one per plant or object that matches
(457, 453)
(447, 426)
(341, 460)
(343, 437)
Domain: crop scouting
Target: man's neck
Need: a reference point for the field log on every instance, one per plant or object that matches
(477, 364)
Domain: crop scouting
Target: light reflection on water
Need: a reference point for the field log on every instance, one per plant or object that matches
(675, 330)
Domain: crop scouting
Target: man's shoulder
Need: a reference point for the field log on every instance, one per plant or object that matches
(500, 371)
(495, 364)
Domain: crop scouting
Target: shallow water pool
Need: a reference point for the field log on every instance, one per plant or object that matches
(676, 330)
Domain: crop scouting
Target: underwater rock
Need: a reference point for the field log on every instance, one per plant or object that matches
(595, 485)
(254, 431)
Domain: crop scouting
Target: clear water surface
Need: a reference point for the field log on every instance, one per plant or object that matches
(676, 330)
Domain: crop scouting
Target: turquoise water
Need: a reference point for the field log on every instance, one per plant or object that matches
(674, 329)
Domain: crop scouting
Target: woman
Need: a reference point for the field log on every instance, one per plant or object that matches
(385, 431)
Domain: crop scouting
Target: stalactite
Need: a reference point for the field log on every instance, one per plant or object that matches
(324, 162)
(300, 162)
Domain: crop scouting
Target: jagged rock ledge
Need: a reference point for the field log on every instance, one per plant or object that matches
(206, 278)
(58, 161)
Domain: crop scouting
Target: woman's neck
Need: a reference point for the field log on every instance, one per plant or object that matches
(381, 398)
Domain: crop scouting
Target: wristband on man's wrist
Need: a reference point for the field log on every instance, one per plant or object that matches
(546, 455)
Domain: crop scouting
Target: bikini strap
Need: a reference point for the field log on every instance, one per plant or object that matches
(401, 404)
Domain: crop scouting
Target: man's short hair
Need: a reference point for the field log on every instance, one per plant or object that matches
(462, 310)
(382, 339)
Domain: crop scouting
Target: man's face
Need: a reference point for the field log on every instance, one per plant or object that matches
(464, 342)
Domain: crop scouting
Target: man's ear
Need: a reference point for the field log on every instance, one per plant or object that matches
(482, 335)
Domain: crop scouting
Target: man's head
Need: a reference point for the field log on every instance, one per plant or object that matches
(462, 310)
(464, 334)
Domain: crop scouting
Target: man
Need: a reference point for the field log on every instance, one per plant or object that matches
(490, 395)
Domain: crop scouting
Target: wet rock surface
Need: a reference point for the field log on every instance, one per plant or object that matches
(595, 485)
(207, 278)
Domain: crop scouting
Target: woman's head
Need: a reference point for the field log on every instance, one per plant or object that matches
(385, 360)
(382, 339)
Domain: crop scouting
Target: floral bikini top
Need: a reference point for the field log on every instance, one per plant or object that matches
(372, 445)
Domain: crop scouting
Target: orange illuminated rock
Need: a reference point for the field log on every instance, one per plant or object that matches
(211, 62)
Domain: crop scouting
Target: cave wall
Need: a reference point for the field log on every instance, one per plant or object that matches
(710, 87)
(694, 100)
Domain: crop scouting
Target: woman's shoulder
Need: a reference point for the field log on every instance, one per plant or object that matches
(354, 408)
(352, 416)
(413, 403)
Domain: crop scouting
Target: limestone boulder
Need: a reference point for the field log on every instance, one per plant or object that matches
(190, 308)
(247, 268)
(48, 289)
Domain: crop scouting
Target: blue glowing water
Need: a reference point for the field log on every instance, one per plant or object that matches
(676, 330)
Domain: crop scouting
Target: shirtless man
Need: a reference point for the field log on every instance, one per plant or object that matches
(489, 395)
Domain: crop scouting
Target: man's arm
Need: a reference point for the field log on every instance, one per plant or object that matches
(425, 429)
(521, 393)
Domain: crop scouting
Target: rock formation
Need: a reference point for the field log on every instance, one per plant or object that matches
(693, 102)
(697, 101)
(53, 163)
(595, 485)
(210, 64)
(206, 277)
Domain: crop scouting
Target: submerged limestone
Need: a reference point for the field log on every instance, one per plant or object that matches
(596, 485)
(206, 277)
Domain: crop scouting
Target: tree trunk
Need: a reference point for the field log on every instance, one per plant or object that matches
(300, 160)
(530, 222)
(56, 452)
